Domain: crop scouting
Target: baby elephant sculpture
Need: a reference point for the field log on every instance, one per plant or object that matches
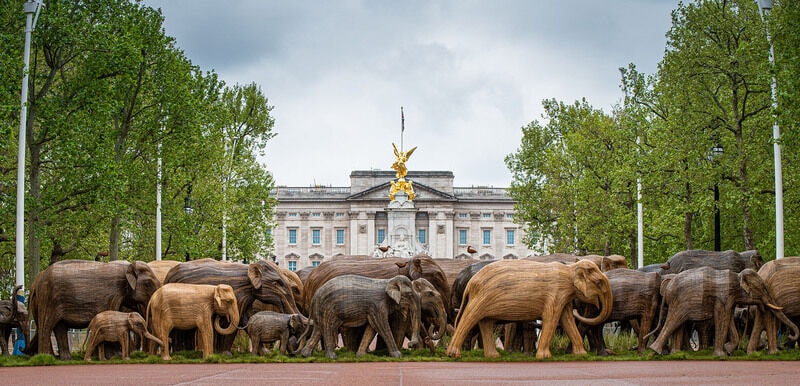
(268, 326)
(114, 326)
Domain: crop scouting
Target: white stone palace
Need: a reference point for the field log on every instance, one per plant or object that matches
(314, 224)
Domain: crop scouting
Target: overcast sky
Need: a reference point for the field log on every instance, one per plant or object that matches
(468, 74)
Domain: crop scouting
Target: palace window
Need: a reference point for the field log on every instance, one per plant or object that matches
(462, 237)
(381, 235)
(422, 236)
(315, 239)
(509, 237)
(292, 236)
(340, 237)
(487, 237)
(292, 265)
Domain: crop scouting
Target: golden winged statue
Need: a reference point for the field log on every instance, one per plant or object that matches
(399, 165)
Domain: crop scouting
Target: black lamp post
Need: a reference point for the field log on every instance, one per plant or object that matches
(716, 151)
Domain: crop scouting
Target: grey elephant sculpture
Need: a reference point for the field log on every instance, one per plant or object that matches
(69, 293)
(13, 314)
(115, 326)
(190, 306)
(268, 326)
(706, 293)
(353, 301)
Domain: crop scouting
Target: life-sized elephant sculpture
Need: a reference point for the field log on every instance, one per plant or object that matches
(115, 326)
(636, 298)
(261, 280)
(782, 278)
(706, 293)
(353, 301)
(13, 314)
(69, 293)
(730, 260)
(267, 327)
(190, 306)
(524, 290)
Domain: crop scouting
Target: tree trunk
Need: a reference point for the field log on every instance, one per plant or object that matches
(687, 230)
(113, 239)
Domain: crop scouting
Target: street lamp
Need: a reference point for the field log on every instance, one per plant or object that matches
(31, 9)
(766, 7)
(716, 151)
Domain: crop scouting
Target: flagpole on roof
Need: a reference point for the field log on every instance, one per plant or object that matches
(402, 127)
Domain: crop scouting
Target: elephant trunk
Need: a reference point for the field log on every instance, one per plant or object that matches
(416, 320)
(152, 337)
(233, 317)
(605, 304)
(441, 327)
(785, 320)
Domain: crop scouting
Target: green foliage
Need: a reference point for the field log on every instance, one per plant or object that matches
(576, 170)
(110, 95)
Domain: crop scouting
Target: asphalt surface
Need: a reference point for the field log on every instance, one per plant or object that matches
(415, 373)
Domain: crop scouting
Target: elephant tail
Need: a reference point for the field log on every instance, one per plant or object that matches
(660, 317)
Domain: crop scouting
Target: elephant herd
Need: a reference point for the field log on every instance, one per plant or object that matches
(362, 302)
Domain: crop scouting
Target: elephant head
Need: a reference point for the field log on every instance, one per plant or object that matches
(422, 266)
(137, 324)
(224, 304)
(755, 292)
(431, 303)
(400, 291)
(271, 286)
(592, 286)
(142, 283)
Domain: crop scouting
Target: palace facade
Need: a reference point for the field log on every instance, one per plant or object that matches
(314, 224)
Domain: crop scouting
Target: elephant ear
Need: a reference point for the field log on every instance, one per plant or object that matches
(218, 298)
(393, 289)
(579, 280)
(295, 323)
(130, 275)
(255, 274)
(751, 283)
(415, 271)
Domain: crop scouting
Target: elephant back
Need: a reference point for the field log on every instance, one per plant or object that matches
(452, 267)
(721, 260)
(782, 278)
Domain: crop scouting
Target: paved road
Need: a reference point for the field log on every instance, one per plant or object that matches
(415, 373)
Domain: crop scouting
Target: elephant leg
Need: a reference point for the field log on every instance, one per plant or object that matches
(641, 330)
(670, 327)
(381, 324)
(549, 325)
(569, 326)
(284, 342)
(63, 342)
(487, 336)
(755, 334)
(528, 338)
(90, 346)
(164, 336)
(125, 345)
(205, 337)
(771, 324)
(733, 337)
(329, 339)
(366, 339)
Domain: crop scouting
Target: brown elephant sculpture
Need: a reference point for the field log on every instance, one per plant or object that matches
(524, 290)
(782, 278)
(706, 293)
(69, 293)
(189, 306)
(115, 326)
(13, 314)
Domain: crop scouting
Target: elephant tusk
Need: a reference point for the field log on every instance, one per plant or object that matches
(774, 307)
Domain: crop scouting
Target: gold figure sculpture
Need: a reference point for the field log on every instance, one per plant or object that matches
(399, 165)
